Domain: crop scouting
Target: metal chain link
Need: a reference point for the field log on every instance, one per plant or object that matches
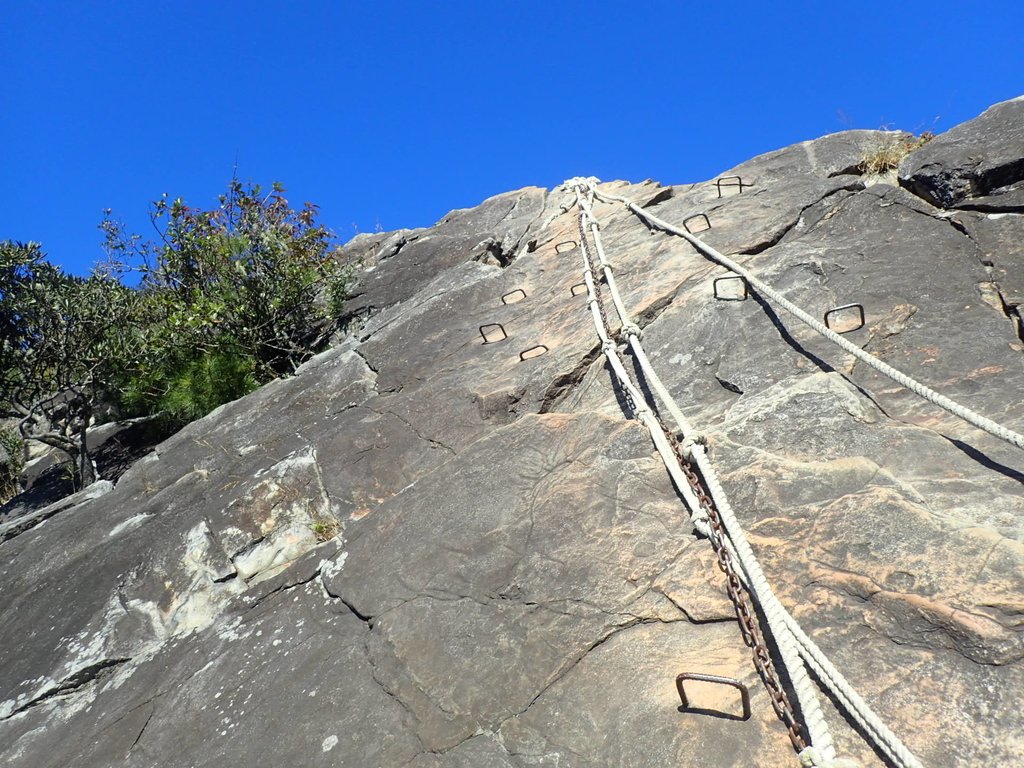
(738, 594)
(749, 625)
(597, 281)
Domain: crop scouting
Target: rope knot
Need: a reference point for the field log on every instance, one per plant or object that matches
(631, 329)
(811, 757)
(694, 438)
(642, 410)
(608, 347)
(700, 521)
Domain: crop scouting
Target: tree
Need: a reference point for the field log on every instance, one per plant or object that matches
(61, 337)
(252, 273)
(230, 298)
(237, 295)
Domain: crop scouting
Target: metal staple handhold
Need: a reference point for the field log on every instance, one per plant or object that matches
(513, 296)
(571, 243)
(835, 310)
(532, 352)
(701, 678)
(724, 278)
(487, 327)
(686, 222)
(739, 183)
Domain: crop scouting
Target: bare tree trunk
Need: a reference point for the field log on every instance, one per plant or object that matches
(85, 472)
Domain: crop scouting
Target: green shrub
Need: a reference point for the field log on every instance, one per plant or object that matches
(10, 471)
(230, 298)
(252, 276)
(182, 389)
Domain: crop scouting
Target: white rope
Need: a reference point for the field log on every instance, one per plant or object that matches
(806, 694)
(629, 328)
(792, 641)
(855, 706)
(697, 515)
(962, 411)
(774, 612)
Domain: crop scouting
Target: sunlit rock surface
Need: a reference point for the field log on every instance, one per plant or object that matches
(514, 581)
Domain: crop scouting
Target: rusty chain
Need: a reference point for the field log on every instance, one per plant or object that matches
(749, 625)
(597, 281)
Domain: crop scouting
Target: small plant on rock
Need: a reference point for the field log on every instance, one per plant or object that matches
(325, 530)
(890, 153)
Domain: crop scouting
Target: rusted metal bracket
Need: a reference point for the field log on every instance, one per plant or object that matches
(493, 332)
(721, 296)
(719, 680)
(730, 181)
(532, 352)
(836, 310)
(707, 223)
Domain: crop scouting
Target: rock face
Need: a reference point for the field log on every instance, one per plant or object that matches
(514, 581)
(977, 165)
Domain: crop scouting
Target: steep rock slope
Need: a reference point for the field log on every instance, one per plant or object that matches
(515, 582)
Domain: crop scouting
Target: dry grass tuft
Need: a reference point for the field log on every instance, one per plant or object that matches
(890, 154)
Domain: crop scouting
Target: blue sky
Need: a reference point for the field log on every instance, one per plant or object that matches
(389, 114)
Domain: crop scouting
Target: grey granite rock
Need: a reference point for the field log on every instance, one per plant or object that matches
(513, 581)
(978, 164)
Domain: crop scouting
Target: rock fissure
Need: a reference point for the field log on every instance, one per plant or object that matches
(397, 247)
(402, 313)
(411, 719)
(650, 314)
(285, 586)
(72, 684)
(366, 361)
(412, 428)
(991, 207)
(566, 669)
(728, 385)
(892, 325)
(564, 384)
(364, 618)
(27, 522)
(1010, 309)
(142, 730)
(514, 250)
(776, 237)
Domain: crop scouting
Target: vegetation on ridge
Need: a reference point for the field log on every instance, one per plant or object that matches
(229, 298)
(890, 153)
(12, 461)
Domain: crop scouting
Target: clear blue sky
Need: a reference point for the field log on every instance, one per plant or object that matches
(390, 114)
